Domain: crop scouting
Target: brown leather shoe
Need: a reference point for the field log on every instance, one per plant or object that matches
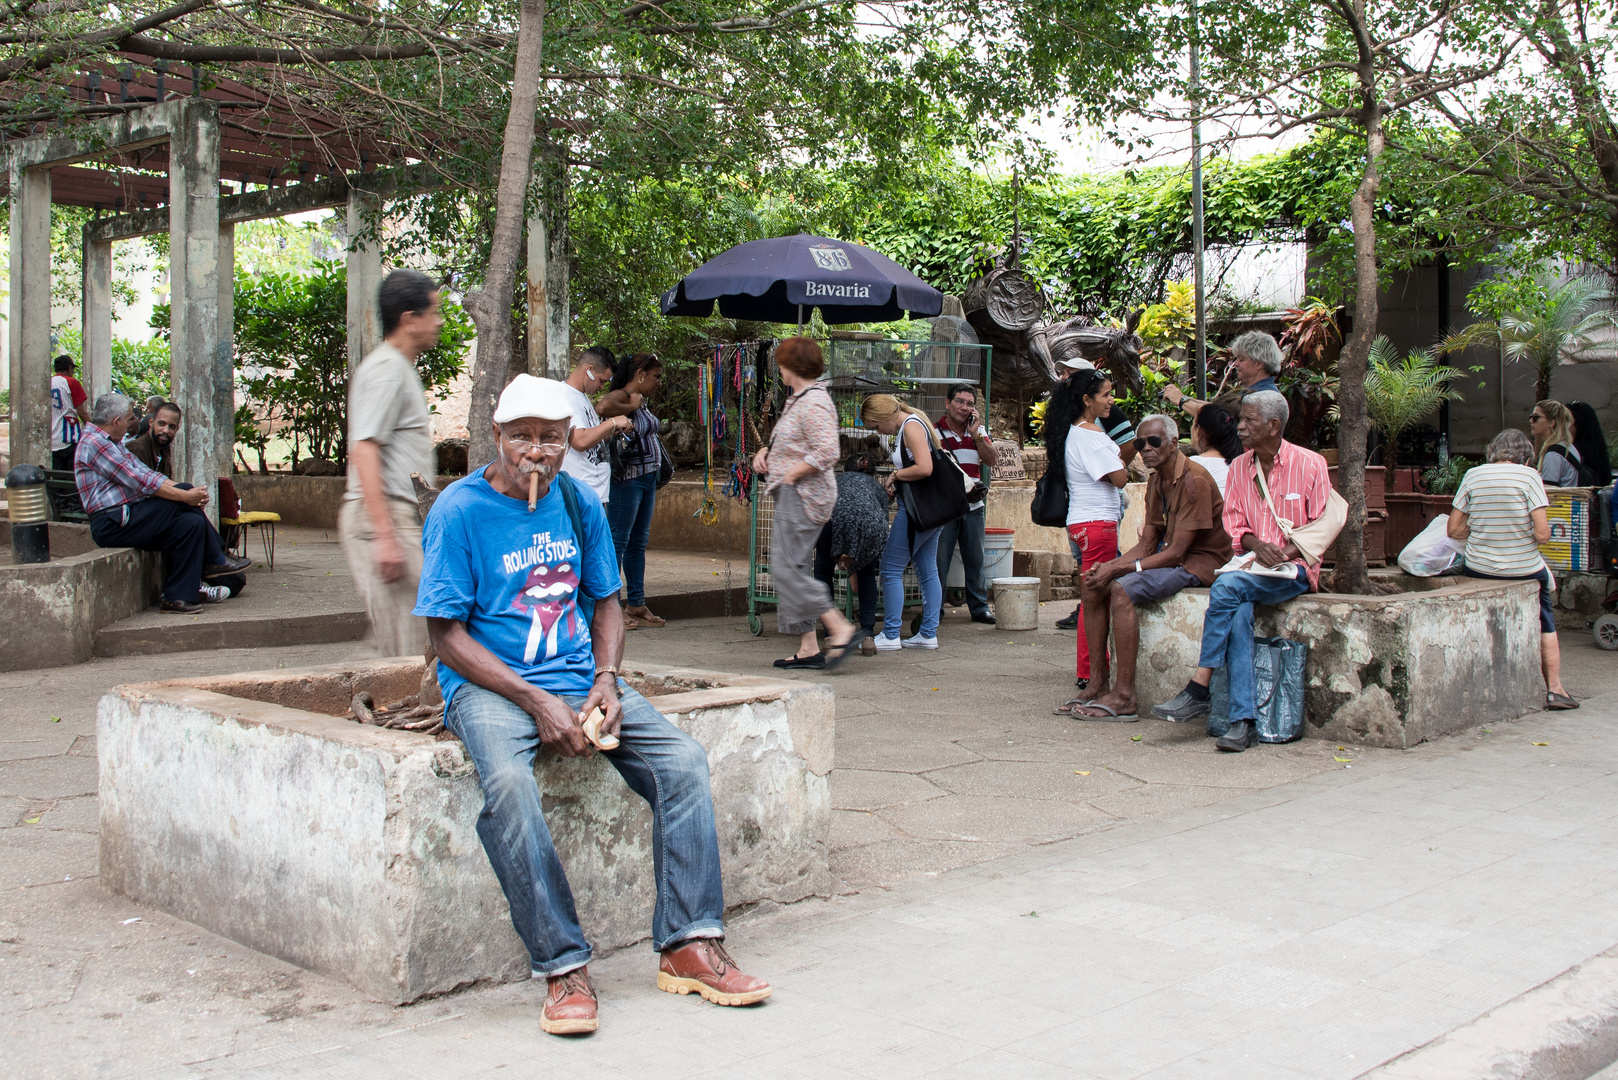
(178, 607)
(702, 965)
(570, 1004)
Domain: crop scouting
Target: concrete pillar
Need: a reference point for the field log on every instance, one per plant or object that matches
(225, 375)
(194, 354)
(96, 317)
(549, 325)
(30, 329)
(364, 277)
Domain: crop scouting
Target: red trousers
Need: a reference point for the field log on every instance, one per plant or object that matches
(1093, 542)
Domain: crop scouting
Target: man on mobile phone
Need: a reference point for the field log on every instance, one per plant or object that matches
(961, 431)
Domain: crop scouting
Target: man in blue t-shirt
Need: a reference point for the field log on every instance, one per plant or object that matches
(525, 655)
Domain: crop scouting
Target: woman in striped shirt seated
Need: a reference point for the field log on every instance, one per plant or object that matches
(1499, 512)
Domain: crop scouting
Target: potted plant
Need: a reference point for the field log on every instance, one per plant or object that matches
(1441, 484)
(1399, 394)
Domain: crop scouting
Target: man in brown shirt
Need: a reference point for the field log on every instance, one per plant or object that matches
(155, 449)
(1182, 543)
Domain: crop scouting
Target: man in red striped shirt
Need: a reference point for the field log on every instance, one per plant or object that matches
(961, 432)
(1300, 487)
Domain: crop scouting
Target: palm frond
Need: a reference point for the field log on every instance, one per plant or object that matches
(1401, 392)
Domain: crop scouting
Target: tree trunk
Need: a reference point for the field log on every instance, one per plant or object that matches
(1542, 384)
(490, 305)
(1354, 426)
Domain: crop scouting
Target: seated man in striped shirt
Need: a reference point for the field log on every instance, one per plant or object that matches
(1300, 487)
(133, 506)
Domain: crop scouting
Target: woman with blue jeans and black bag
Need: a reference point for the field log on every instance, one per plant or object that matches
(637, 460)
(907, 546)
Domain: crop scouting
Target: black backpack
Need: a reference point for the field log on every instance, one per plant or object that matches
(1587, 475)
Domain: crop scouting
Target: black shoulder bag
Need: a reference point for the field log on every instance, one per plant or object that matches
(1050, 494)
(938, 498)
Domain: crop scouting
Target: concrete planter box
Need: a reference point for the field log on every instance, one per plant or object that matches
(245, 804)
(1382, 670)
(309, 501)
(53, 609)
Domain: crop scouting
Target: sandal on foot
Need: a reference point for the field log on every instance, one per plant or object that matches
(812, 663)
(642, 614)
(834, 653)
(1066, 708)
(1107, 713)
(1559, 702)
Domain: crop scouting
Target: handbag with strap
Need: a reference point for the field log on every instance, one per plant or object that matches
(1050, 493)
(1278, 685)
(1312, 539)
(938, 498)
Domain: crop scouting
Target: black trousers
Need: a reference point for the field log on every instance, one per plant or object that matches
(181, 532)
(864, 576)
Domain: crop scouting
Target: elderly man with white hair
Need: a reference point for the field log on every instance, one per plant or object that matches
(1182, 542)
(518, 558)
(1300, 488)
(1254, 357)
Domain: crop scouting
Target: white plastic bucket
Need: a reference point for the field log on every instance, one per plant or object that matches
(1016, 603)
(997, 547)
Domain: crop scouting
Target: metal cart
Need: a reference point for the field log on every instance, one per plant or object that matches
(918, 372)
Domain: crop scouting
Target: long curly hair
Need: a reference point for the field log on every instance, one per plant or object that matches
(1067, 403)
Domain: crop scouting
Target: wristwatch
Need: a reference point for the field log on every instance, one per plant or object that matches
(982, 432)
(612, 671)
(1137, 566)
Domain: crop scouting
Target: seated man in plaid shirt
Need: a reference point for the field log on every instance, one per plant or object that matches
(133, 506)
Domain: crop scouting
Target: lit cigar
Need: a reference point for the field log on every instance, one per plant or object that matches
(533, 491)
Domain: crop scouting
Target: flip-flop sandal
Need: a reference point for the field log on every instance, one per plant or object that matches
(1559, 702)
(811, 663)
(834, 654)
(1066, 708)
(1108, 713)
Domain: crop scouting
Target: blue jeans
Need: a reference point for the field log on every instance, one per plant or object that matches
(969, 532)
(922, 553)
(1227, 630)
(629, 515)
(660, 763)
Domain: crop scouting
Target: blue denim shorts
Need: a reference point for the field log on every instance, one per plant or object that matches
(1145, 586)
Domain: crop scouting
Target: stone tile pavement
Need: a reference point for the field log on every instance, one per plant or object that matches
(1173, 913)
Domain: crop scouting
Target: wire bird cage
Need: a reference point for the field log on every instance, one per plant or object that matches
(919, 373)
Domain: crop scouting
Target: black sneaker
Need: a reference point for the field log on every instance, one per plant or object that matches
(1069, 623)
(1182, 709)
(1242, 734)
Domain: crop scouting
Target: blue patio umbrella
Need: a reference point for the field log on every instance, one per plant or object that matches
(782, 279)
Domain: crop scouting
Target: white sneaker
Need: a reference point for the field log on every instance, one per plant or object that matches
(212, 594)
(918, 642)
(885, 643)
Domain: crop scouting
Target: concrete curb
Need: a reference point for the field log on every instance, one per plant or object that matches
(186, 635)
(1565, 1029)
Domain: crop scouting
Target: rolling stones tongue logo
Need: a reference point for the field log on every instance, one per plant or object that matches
(545, 596)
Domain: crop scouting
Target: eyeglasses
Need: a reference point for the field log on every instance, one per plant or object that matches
(1154, 441)
(523, 445)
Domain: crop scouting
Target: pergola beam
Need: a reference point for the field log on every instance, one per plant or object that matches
(278, 202)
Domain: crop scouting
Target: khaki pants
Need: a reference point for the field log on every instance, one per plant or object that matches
(394, 630)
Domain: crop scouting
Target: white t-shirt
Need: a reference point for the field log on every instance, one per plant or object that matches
(1217, 467)
(592, 467)
(1090, 457)
(64, 417)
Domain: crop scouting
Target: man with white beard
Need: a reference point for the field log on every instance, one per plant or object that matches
(517, 557)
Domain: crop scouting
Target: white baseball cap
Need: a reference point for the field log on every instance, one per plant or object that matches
(544, 399)
(1078, 363)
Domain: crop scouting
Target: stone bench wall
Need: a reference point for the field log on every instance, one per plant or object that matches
(1382, 671)
(238, 803)
(53, 609)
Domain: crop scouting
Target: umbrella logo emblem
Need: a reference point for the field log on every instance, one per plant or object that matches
(828, 257)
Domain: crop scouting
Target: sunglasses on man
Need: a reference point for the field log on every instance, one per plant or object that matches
(1154, 441)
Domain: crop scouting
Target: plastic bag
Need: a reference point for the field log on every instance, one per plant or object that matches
(1278, 691)
(1432, 552)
